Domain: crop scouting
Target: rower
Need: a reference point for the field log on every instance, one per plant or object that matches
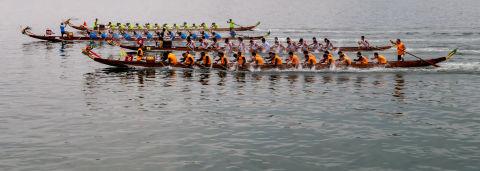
(93, 35)
(140, 27)
(290, 46)
(328, 44)
(204, 26)
(293, 59)
(203, 43)
(361, 59)
(182, 35)
(327, 58)
(176, 27)
(149, 35)
(156, 26)
(194, 36)
(344, 59)
(363, 43)
(310, 59)
(188, 59)
(277, 47)
(62, 29)
(228, 46)
(190, 44)
(253, 46)
(380, 58)
(241, 61)
(302, 45)
(401, 49)
(214, 26)
(185, 26)
(115, 35)
(127, 36)
(214, 45)
(257, 59)
(217, 35)
(103, 35)
(223, 59)
(205, 59)
(130, 26)
(205, 35)
(241, 46)
(140, 53)
(195, 27)
(137, 35)
(171, 59)
(265, 46)
(315, 46)
(121, 26)
(276, 60)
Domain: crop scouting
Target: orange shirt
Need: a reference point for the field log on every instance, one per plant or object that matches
(189, 60)
(401, 49)
(381, 59)
(364, 60)
(223, 60)
(311, 59)
(346, 60)
(295, 60)
(241, 60)
(206, 60)
(172, 59)
(277, 60)
(258, 60)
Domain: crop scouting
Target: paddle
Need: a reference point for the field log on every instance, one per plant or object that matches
(435, 65)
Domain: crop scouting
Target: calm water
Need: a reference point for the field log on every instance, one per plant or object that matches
(62, 111)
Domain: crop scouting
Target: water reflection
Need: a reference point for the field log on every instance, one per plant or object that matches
(204, 77)
(398, 88)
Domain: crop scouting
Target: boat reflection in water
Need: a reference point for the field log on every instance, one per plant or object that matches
(174, 84)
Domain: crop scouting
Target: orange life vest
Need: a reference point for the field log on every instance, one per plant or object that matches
(401, 49)
(172, 59)
(381, 59)
(277, 60)
(295, 60)
(189, 59)
(312, 60)
(259, 60)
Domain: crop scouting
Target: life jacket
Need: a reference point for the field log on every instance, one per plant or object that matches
(363, 60)
(259, 60)
(295, 60)
(223, 60)
(277, 60)
(241, 60)
(329, 59)
(140, 52)
(206, 60)
(401, 49)
(232, 24)
(189, 60)
(312, 60)
(346, 60)
(172, 58)
(381, 59)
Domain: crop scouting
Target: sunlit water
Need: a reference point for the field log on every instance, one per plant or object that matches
(62, 111)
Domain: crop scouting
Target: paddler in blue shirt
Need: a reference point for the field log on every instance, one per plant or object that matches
(216, 35)
(138, 36)
(194, 36)
(93, 35)
(149, 35)
(205, 35)
(182, 35)
(127, 36)
(115, 35)
(103, 35)
(62, 29)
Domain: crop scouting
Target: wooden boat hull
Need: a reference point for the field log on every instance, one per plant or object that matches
(81, 27)
(249, 67)
(356, 49)
(26, 31)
